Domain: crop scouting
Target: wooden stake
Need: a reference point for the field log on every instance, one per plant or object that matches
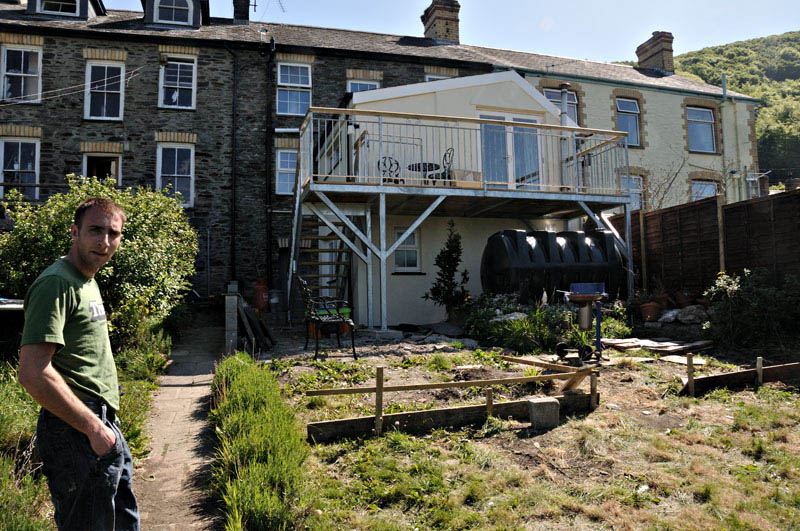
(690, 372)
(593, 390)
(760, 370)
(489, 401)
(379, 401)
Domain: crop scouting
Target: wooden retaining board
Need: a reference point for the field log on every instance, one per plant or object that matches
(775, 373)
(430, 419)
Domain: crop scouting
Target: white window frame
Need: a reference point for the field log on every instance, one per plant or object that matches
(34, 141)
(705, 182)
(161, 77)
(289, 89)
(436, 77)
(637, 114)
(278, 169)
(87, 91)
(554, 97)
(3, 59)
(40, 9)
(350, 83)
(399, 231)
(159, 147)
(711, 123)
(292, 87)
(635, 190)
(156, 5)
(85, 166)
(301, 65)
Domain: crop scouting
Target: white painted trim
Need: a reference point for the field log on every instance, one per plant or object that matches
(23, 47)
(87, 91)
(171, 22)
(278, 169)
(436, 77)
(84, 167)
(40, 9)
(161, 69)
(190, 147)
(287, 129)
(712, 123)
(35, 141)
(417, 89)
(304, 65)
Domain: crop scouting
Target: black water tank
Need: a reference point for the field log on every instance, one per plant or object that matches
(540, 261)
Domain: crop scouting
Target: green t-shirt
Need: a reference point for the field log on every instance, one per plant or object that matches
(64, 307)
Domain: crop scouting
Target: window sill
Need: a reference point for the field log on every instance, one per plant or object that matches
(636, 147)
(288, 114)
(409, 273)
(171, 108)
(97, 119)
(704, 152)
(17, 102)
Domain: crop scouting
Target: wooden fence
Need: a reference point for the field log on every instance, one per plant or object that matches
(685, 246)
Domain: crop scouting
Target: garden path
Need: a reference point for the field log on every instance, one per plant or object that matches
(169, 482)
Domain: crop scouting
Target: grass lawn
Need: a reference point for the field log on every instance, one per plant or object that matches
(645, 458)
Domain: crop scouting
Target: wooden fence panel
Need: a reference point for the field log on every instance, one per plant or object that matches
(681, 243)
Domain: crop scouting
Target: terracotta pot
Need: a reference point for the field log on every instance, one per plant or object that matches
(705, 302)
(636, 308)
(650, 311)
(684, 299)
(662, 299)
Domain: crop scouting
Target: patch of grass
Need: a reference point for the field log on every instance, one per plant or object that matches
(18, 413)
(458, 345)
(316, 402)
(490, 358)
(258, 467)
(24, 498)
(330, 372)
(440, 363)
(134, 407)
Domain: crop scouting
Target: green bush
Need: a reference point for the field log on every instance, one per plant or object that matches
(750, 310)
(146, 277)
(478, 323)
(446, 290)
(258, 468)
(134, 407)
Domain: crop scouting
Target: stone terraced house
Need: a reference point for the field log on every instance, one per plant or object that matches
(214, 108)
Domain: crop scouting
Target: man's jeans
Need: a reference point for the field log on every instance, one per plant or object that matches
(89, 492)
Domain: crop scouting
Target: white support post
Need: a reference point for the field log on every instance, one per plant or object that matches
(629, 249)
(336, 231)
(370, 306)
(349, 224)
(382, 256)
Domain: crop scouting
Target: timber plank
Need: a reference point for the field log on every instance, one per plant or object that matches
(742, 378)
(430, 419)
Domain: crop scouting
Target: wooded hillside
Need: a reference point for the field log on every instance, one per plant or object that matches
(766, 68)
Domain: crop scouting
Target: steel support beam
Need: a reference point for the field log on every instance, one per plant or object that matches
(382, 256)
(336, 231)
(370, 306)
(422, 217)
(629, 250)
(603, 225)
(349, 224)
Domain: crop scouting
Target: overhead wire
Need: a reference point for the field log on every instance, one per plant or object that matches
(81, 87)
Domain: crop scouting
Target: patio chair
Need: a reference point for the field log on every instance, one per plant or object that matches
(389, 168)
(447, 163)
(323, 316)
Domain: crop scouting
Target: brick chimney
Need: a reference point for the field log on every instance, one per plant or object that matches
(241, 11)
(656, 53)
(441, 21)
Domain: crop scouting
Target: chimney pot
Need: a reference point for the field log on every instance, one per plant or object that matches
(656, 53)
(241, 11)
(441, 21)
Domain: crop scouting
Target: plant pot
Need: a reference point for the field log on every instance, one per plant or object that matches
(636, 308)
(705, 302)
(684, 299)
(650, 311)
(662, 299)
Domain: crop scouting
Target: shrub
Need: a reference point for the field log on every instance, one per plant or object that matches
(258, 468)
(750, 310)
(146, 277)
(446, 290)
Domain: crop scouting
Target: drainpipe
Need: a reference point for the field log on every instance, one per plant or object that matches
(233, 161)
(268, 134)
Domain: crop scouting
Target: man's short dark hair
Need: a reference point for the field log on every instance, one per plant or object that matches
(106, 205)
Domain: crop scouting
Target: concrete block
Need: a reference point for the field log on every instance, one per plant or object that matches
(544, 413)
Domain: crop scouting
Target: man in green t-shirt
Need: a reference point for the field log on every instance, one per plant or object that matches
(66, 364)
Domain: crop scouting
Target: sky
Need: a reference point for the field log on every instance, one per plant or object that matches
(580, 29)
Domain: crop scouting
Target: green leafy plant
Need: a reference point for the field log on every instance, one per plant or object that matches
(143, 281)
(446, 290)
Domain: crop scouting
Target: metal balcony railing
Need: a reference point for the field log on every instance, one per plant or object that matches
(349, 146)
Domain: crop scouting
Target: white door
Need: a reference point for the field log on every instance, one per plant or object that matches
(510, 155)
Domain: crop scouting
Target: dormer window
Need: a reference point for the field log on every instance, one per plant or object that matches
(59, 7)
(174, 11)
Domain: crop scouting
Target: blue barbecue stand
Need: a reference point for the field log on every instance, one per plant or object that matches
(586, 295)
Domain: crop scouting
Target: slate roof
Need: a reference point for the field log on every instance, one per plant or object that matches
(129, 23)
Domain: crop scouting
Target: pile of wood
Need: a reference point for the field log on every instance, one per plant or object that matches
(659, 345)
